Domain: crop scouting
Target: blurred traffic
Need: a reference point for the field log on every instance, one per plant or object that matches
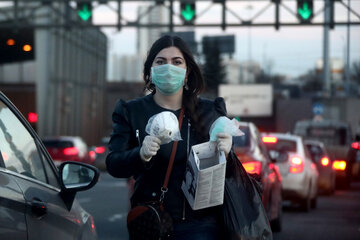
(294, 87)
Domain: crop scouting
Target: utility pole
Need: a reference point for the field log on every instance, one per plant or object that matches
(347, 71)
(326, 67)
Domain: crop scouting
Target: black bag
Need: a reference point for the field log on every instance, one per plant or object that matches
(149, 222)
(243, 212)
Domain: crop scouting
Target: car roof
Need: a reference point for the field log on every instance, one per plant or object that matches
(283, 136)
(61, 138)
(314, 142)
(322, 123)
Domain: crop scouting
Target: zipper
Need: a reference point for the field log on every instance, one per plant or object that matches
(138, 137)
(187, 150)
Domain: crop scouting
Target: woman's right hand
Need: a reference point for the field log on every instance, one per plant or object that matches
(149, 148)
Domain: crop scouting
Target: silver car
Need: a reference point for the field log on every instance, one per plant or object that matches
(299, 173)
(37, 200)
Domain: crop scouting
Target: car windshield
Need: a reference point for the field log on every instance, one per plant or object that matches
(315, 151)
(57, 144)
(282, 145)
(244, 140)
(328, 135)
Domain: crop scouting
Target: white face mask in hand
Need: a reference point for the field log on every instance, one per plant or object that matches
(168, 78)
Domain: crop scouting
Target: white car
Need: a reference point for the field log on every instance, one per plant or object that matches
(299, 173)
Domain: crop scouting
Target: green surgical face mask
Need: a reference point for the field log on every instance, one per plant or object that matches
(168, 78)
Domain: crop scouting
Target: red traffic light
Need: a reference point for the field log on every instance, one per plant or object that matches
(32, 117)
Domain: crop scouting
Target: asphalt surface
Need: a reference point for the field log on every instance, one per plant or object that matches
(336, 216)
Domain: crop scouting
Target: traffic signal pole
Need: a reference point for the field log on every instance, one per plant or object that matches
(347, 70)
(326, 67)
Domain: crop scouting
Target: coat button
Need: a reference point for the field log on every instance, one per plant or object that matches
(154, 194)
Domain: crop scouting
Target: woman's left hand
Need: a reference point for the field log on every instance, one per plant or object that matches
(224, 143)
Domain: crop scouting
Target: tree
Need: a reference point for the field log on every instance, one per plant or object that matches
(312, 81)
(213, 69)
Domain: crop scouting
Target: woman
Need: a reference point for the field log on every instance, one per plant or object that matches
(175, 81)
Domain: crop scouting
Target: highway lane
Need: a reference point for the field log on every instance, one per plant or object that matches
(336, 216)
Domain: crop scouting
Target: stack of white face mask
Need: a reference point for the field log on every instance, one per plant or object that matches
(165, 126)
(224, 125)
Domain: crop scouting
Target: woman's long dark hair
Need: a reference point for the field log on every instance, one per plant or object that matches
(195, 80)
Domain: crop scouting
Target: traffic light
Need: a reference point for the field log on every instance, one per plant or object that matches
(188, 12)
(17, 46)
(305, 11)
(84, 10)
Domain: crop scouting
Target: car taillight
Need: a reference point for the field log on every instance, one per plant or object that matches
(268, 139)
(296, 164)
(355, 145)
(92, 154)
(71, 151)
(339, 165)
(252, 167)
(325, 161)
(93, 229)
(100, 150)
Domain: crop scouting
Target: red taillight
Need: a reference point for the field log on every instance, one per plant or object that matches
(100, 150)
(92, 154)
(268, 139)
(296, 164)
(93, 229)
(71, 151)
(325, 161)
(339, 165)
(355, 145)
(252, 167)
(32, 117)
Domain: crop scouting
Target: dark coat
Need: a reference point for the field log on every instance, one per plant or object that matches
(124, 159)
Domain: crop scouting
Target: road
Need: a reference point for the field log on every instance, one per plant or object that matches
(336, 216)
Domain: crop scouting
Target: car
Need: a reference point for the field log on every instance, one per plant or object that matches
(320, 156)
(101, 151)
(68, 148)
(37, 199)
(337, 137)
(254, 157)
(354, 158)
(299, 174)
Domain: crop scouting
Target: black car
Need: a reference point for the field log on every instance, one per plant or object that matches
(37, 200)
(255, 159)
(323, 161)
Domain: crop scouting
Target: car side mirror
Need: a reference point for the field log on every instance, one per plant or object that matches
(77, 176)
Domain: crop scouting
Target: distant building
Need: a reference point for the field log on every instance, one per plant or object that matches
(232, 69)
(336, 69)
(65, 71)
(147, 36)
(249, 71)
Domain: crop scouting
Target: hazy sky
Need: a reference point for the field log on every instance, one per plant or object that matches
(292, 50)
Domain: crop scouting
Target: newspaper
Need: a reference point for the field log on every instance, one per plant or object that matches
(204, 181)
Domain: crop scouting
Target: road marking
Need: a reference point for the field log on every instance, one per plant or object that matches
(115, 217)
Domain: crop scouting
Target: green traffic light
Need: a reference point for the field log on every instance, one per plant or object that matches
(84, 13)
(188, 13)
(305, 12)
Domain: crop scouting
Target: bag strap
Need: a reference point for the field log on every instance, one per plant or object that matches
(164, 188)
